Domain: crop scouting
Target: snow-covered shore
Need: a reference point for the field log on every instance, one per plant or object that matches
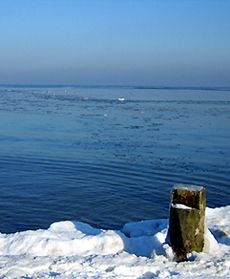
(76, 250)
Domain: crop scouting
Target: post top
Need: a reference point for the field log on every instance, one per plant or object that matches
(189, 187)
(189, 195)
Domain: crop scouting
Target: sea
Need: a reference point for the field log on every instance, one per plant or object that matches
(108, 155)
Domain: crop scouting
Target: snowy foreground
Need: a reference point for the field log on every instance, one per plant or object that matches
(76, 250)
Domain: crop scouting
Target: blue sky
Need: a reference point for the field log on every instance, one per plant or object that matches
(126, 42)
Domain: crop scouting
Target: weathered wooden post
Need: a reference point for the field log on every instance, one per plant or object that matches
(186, 220)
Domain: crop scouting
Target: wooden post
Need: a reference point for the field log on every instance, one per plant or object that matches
(186, 221)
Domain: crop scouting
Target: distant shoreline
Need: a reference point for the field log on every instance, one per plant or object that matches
(137, 87)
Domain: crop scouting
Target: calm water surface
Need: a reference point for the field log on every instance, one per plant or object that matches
(107, 156)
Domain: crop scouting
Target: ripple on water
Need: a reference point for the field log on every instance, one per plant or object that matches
(77, 155)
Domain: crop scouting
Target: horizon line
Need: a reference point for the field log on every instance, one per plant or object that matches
(146, 87)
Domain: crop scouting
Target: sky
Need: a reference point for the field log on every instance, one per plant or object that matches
(115, 42)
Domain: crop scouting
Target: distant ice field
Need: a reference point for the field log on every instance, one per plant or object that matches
(108, 156)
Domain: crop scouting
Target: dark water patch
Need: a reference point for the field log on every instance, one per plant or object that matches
(82, 190)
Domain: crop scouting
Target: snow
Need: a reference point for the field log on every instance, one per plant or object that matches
(76, 250)
(181, 206)
(189, 187)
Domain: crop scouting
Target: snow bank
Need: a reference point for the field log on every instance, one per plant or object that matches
(77, 250)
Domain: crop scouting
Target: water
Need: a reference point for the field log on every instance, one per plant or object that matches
(107, 156)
